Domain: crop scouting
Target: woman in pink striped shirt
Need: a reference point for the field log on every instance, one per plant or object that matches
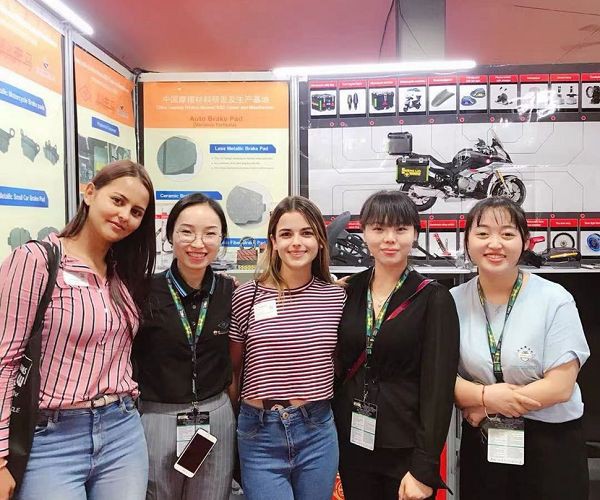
(89, 442)
(284, 327)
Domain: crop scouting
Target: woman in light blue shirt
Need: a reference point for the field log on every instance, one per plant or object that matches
(521, 348)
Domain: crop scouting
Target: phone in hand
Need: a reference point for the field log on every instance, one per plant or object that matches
(195, 453)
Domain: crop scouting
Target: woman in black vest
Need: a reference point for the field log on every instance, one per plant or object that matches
(181, 355)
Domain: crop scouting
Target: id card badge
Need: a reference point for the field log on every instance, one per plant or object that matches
(506, 441)
(364, 422)
(187, 425)
(265, 310)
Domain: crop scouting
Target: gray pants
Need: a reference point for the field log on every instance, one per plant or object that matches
(213, 480)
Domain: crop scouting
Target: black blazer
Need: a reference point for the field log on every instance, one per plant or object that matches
(412, 375)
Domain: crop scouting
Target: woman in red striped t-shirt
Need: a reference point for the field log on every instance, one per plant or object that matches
(89, 441)
(284, 327)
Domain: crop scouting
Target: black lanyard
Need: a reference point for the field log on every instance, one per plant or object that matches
(496, 347)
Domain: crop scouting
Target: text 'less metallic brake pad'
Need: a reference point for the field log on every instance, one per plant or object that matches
(245, 206)
(441, 98)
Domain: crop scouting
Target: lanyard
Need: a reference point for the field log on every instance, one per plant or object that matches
(374, 323)
(495, 347)
(192, 337)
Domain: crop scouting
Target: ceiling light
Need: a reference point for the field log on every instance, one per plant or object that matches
(354, 69)
(69, 15)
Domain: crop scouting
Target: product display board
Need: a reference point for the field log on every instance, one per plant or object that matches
(105, 118)
(32, 157)
(530, 133)
(229, 140)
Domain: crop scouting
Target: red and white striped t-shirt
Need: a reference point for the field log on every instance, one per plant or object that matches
(290, 355)
(86, 345)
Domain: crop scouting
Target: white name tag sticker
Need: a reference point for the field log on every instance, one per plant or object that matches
(265, 310)
(506, 446)
(75, 279)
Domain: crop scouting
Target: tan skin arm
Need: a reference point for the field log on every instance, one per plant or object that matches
(236, 353)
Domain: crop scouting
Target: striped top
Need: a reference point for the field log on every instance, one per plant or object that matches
(289, 352)
(86, 345)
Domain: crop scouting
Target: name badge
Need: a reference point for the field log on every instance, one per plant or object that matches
(506, 441)
(187, 426)
(75, 279)
(265, 310)
(364, 422)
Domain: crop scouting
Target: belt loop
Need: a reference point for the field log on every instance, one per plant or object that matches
(121, 402)
(304, 412)
(261, 414)
(54, 416)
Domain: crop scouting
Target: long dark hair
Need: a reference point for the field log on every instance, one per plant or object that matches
(132, 258)
(320, 264)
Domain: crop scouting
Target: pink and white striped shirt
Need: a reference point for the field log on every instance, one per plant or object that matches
(289, 355)
(86, 344)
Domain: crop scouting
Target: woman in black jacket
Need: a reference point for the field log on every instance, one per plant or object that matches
(398, 355)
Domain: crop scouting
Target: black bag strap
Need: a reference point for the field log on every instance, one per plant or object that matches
(53, 255)
(246, 331)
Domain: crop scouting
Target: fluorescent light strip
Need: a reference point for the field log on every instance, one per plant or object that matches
(400, 67)
(69, 15)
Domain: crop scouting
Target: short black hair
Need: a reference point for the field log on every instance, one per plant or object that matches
(390, 208)
(497, 204)
(189, 201)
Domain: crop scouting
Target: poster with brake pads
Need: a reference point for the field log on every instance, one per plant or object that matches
(382, 96)
(564, 91)
(32, 156)
(442, 94)
(230, 141)
(353, 97)
(473, 93)
(323, 98)
(590, 91)
(412, 95)
(504, 92)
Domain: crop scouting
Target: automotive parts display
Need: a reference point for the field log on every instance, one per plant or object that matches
(441, 97)
(346, 249)
(18, 236)
(177, 155)
(593, 242)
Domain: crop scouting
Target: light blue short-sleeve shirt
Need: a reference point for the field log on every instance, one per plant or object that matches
(543, 331)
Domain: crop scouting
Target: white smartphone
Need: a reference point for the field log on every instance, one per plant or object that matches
(195, 452)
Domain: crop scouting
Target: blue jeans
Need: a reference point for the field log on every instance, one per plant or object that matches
(288, 454)
(95, 454)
